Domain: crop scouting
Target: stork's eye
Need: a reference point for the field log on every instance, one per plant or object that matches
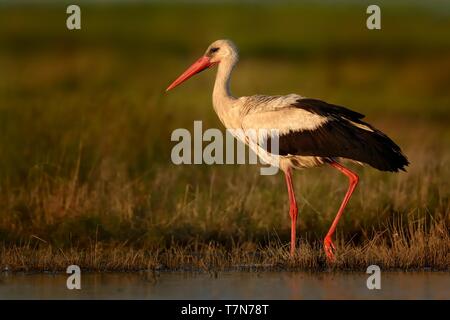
(213, 50)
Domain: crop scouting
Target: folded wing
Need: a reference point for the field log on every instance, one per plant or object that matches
(310, 127)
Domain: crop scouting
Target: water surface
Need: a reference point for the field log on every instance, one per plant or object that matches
(228, 285)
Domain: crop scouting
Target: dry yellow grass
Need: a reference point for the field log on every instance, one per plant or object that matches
(228, 218)
(406, 249)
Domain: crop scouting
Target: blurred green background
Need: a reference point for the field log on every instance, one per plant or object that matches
(85, 124)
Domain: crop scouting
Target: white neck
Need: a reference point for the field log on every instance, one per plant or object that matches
(221, 93)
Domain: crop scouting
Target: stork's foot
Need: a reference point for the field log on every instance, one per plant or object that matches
(329, 248)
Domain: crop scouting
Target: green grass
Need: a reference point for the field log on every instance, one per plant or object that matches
(85, 132)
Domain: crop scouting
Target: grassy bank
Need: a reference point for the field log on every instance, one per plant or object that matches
(406, 249)
(85, 170)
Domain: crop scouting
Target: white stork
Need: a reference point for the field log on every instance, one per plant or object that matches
(311, 132)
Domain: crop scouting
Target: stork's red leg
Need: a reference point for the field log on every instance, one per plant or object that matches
(353, 181)
(293, 211)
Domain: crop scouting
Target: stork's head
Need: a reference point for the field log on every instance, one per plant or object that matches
(220, 51)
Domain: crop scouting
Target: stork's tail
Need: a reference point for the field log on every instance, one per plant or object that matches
(382, 153)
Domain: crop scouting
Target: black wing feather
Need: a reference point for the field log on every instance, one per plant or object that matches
(340, 138)
(327, 109)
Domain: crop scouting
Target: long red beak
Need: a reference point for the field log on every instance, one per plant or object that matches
(198, 66)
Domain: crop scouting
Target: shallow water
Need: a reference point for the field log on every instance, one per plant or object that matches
(228, 285)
